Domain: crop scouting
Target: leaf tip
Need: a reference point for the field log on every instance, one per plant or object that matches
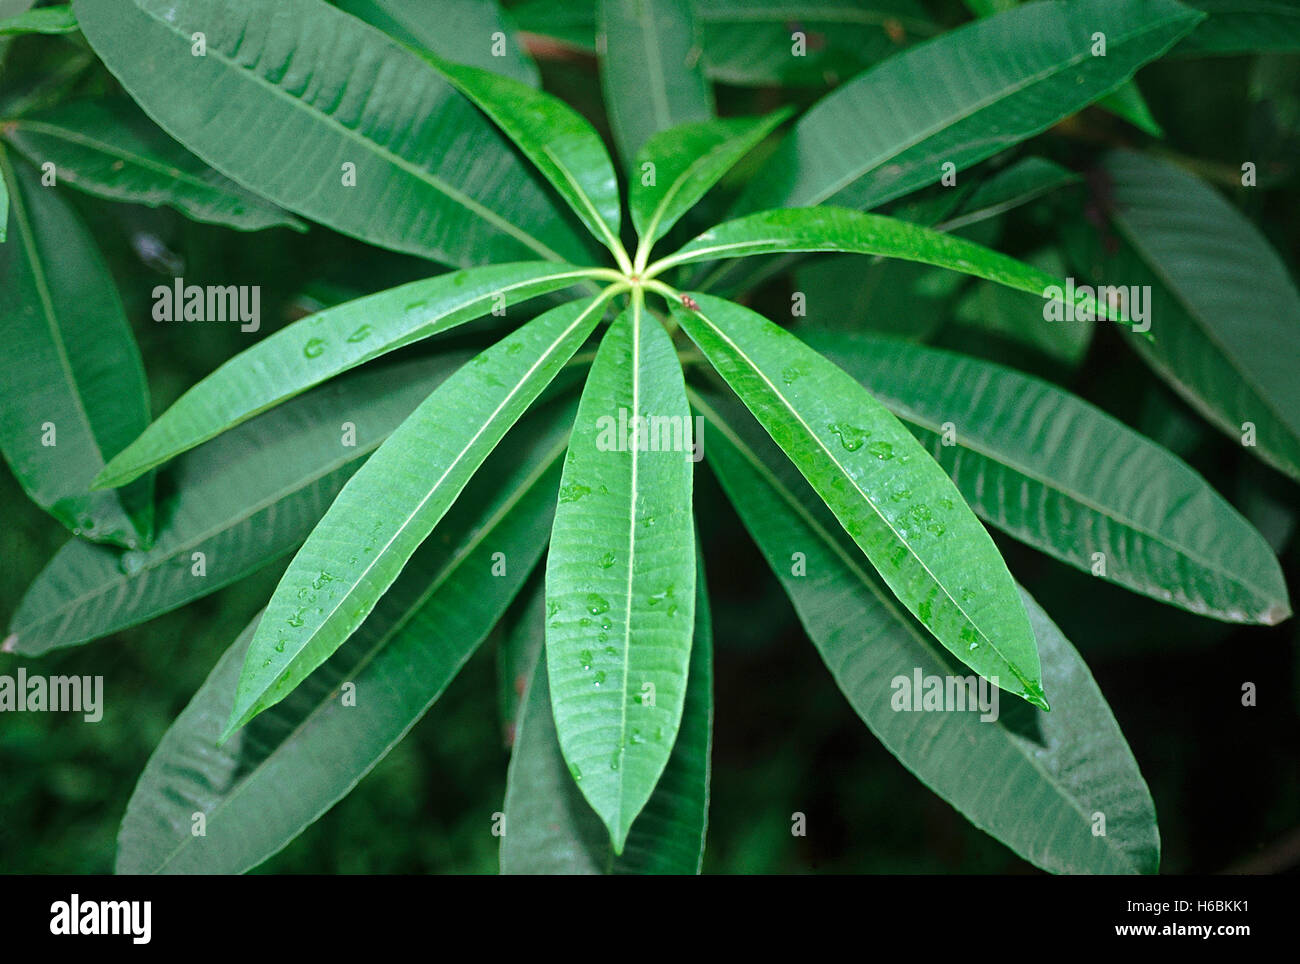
(10, 644)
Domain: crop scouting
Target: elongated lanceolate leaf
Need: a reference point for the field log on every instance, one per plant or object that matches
(329, 118)
(962, 97)
(1055, 472)
(684, 162)
(839, 229)
(556, 138)
(620, 575)
(45, 20)
(394, 501)
(74, 386)
(551, 829)
(233, 506)
(325, 344)
(898, 505)
(473, 32)
(262, 787)
(109, 149)
(1035, 781)
(1230, 342)
(1243, 26)
(650, 69)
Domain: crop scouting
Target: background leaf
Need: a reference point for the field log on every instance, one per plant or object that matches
(463, 31)
(960, 98)
(243, 501)
(109, 149)
(650, 70)
(1035, 781)
(301, 80)
(261, 788)
(1051, 470)
(75, 391)
(1225, 314)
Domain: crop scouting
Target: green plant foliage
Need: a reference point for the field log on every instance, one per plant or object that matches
(906, 408)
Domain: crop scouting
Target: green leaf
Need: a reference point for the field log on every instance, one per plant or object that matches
(75, 391)
(325, 344)
(394, 501)
(1017, 317)
(650, 70)
(1017, 185)
(1243, 26)
(686, 161)
(839, 229)
(960, 98)
(1127, 102)
(620, 575)
(1226, 317)
(297, 100)
(752, 45)
(556, 138)
(1032, 780)
(266, 784)
(4, 207)
(897, 504)
(109, 149)
(242, 501)
(464, 31)
(1053, 471)
(45, 20)
(550, 827)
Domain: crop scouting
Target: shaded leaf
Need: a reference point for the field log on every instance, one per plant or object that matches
(239, 502)
(266, 784)
(75, 390)
(1057, 473)
(109, 149)
(960, 98)
(328, 117)
(650, 70)
(1033, 780)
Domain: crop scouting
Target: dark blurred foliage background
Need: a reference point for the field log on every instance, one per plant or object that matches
(1225, 778)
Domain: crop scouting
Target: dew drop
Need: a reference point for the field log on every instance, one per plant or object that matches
(598, 678)
(131, 562)
(850, 436)
(606, 560)
(361, 334)
(573, 492)
(881, 450)
(313, 348)
(597, 604)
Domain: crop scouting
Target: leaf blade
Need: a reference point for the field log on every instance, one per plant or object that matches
(301, 79)
(325, 344)
(1026, 778)
(1045, 467)
(389, 506)
(960, 98)
(620, 597)
(912, 524)
(76, 391)
(311, 742)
